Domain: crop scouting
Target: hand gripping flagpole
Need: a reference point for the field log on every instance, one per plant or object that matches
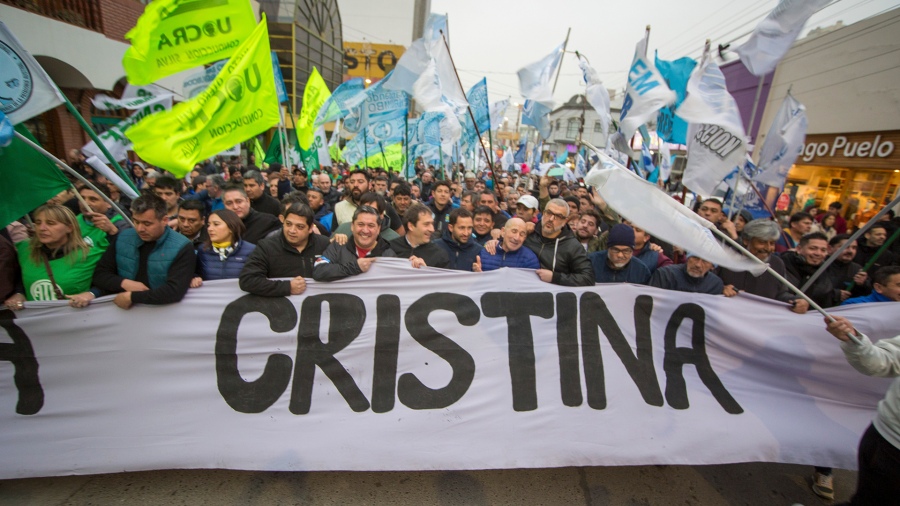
(471, 114)
(862, 230)
(68, 169)
(709, 225)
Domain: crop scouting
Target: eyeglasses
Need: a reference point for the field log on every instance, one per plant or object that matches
(555, 216)
(621, 251)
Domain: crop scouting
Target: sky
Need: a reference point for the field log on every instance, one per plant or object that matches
(493, 38)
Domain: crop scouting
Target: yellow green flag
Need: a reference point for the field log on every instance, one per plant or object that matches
(239, 104)
(314, 96)
(391, 159)
(175, 35)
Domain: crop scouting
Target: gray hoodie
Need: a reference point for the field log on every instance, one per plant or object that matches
(881, 359)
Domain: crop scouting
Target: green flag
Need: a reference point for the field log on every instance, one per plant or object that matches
(28, 179)
(175, 35)
(314, 96)
(239, 104)
(258, 152)
(273, 153)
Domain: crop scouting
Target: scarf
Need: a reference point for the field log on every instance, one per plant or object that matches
(223, 249)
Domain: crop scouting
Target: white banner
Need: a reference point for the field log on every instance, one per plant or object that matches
(115, 140)
(400, 369)
(133, 97)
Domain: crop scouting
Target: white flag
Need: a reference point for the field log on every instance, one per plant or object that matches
(665, 161)
(115, 140)
(535, 79)
(783, 143)
(507, 161)
(646, 92)
(110, 174)
(716, 139)
(580, 166)
(597, 95)
(497, 111)
(25, 89)
(775, 34)
(651, 209)
(320, 142)
(133, 97)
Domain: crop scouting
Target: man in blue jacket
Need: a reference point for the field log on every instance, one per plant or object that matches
(617, 264)
(458, 242)
(509, 252)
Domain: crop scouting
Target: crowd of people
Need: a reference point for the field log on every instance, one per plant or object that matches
(274, 229)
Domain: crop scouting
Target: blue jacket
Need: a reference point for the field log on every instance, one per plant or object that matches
(211, 267)
(462, 256)
(872, 297)
(634, 272)
(675, 277)
(522, 258)
(164, 252)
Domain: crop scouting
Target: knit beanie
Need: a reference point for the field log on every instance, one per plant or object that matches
(620, 235)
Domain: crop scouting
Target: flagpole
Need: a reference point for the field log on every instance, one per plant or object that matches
(98, 142)
(383, 156)
(777, 276)
(559, 69)
(81, 178)
(365, 150)
(405, 143)
(469, 108)
(862, 230)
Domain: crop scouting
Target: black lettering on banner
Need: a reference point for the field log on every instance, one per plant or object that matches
(253, 396)
(348, 314)
(25, 377)
(639, 365)
(567, 344)
(387, 60)
(518, 308)
(350, 61)
(675, 358)
(387, 347)
(410, 390)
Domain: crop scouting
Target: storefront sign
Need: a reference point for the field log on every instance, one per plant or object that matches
(371, 61)
(865, 150)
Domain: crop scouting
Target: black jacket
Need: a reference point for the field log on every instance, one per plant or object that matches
(564, 256)
(797, 271)
(842, 273)
(258, 226)
(462, 255)
(339, 262)
(275, 258)
(433, 255)
(865, 253)
(266, 204)
(765, 285)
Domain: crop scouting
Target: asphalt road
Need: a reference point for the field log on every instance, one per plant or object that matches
(735, 484)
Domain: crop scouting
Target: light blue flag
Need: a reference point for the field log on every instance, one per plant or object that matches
(676, 73)
(580, 166)
(783, 143)
(651, 172)
(435, 24)
(534, 79)
(6, 131)
(519, 157)
(562, 157)
(429, 128)
(478, 101)
(280, 88)
(344, 98)
(537, 115)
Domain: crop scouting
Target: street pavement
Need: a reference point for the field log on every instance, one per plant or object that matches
(734, 484)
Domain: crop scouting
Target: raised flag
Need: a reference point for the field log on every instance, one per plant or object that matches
(6, 131)
(535, 78)
(241, 103)
(345, 97)
(665, 162)
(25, 89)
(645, 93)
(506, 161)
(112, 175)
(537, 115)
(175, 35)
(670, 127)
(435, 25)
(651, 172)
(314, 96)
(133, 98)
(520, 155)
(597, 95)
(318, 155)
(34, 178)
(774, 35)
(651, 209)
(498, 109)
(478, 102)
(580, 166)
(716, 139)
(783, 143)
(114, 138)
(279, 79)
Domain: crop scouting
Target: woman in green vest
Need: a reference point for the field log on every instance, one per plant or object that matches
(56, 263)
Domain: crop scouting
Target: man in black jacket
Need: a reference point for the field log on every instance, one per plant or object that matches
(356, 256)
(458, 242)
(258, 224)
(416, 245)
(872, 241)
(258, 193)
(563, 260)
(844, 272)
(290, 254)
(801, 264)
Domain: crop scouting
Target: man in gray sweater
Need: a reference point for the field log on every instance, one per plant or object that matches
(879, 449)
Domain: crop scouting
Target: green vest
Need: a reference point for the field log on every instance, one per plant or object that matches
(72, 275)
(164, 252)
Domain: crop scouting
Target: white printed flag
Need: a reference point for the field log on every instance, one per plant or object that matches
(25, 89)
(783, 143)
(775, 34)
(646, 92)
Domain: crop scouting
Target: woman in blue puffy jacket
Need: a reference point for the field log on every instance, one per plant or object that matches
(224, 254)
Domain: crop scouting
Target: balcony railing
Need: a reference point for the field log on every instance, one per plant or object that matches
(83, 13)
